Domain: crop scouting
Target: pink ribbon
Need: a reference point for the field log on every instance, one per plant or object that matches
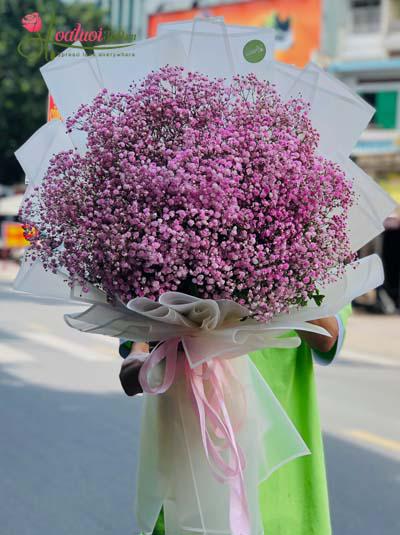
(213, 417)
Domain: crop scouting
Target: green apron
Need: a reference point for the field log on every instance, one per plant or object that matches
(294, 499)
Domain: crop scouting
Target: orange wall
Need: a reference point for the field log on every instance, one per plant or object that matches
(305, 18)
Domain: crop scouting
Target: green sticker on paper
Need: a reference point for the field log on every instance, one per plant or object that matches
(254, 51)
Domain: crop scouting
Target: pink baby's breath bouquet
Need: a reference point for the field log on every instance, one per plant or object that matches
(201, 195)
(194, 185)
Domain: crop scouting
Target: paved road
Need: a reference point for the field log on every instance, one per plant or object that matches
(67, 432)
(359, 404)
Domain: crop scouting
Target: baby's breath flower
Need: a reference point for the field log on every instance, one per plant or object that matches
(191, 184)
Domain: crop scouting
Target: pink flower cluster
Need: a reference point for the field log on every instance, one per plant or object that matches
(196, 185)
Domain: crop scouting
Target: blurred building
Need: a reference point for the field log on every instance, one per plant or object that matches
(361, 46)
(132, 15)
(297, 22)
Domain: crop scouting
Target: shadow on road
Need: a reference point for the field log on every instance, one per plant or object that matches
(364, 489)
(67, 461)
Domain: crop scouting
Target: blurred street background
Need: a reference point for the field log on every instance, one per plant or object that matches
(67, 431)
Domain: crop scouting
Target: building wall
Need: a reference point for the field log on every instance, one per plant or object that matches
(363, 45)
(131, 15)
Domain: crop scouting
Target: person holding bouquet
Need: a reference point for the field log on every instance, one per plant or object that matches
(294, 500)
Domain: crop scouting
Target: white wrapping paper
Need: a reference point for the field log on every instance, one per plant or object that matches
(174, 470)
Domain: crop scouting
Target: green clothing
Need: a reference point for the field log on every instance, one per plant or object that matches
(294, 499)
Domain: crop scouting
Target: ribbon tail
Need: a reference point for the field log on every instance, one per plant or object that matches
(239, 516)
(214, 414)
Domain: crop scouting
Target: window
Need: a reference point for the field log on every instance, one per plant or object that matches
(385, 103)
(366, 15)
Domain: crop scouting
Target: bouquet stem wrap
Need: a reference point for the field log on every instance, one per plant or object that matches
(210, 433)
(215, 422)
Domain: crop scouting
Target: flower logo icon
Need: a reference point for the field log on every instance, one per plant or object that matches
(32, 22)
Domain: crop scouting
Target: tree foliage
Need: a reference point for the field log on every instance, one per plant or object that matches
(23, 93)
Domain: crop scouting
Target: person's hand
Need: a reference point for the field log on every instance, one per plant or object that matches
(129, 374)
(319, 342)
